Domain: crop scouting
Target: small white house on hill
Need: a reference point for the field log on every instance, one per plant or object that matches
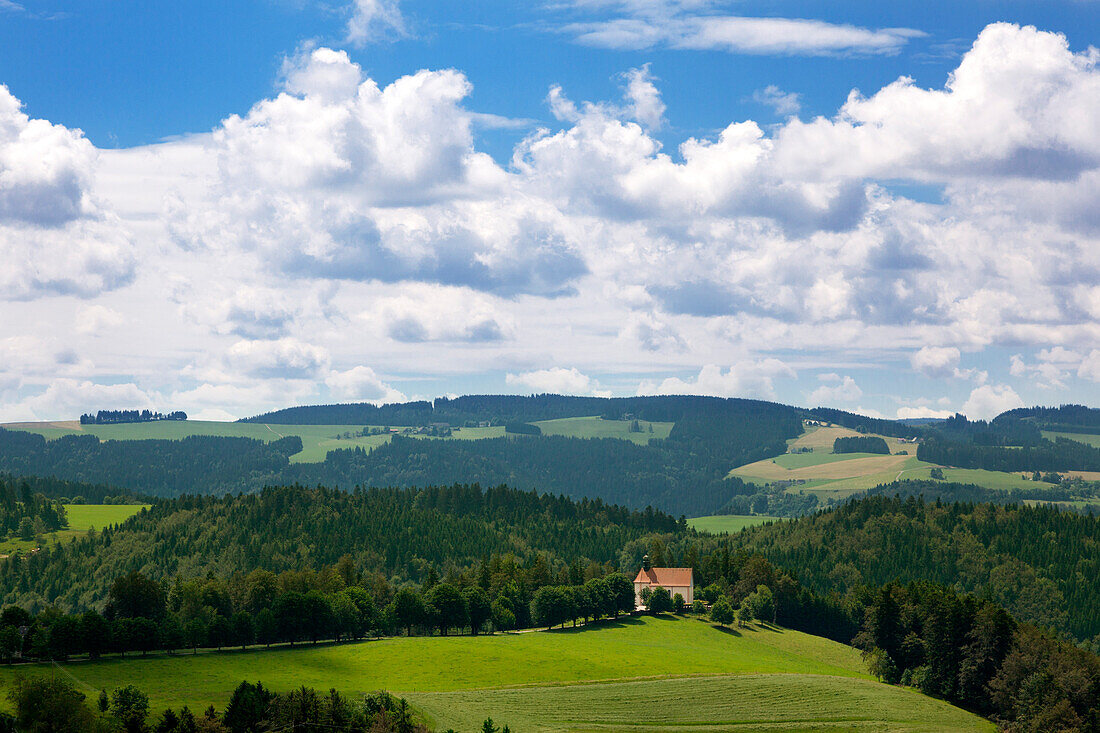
(674, 580)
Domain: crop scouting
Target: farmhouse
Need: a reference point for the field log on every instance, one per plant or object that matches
(674, 580)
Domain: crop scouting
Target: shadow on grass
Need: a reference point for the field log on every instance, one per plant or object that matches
(607, 623)
(726, 630)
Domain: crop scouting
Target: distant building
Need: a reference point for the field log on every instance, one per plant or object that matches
(674, 580)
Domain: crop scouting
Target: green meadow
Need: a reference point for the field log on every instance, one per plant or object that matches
(1093, 440)
(82, 517)
(596, 427)
(561, 680)
(728, 523)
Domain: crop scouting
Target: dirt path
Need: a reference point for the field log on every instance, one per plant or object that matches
(274, 431)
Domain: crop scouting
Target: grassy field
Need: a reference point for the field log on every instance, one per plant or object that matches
(514, 677)
(728, 523)
(1093, 440)
(82, 517)
(774, 702)
(832, 476)
(595, 427)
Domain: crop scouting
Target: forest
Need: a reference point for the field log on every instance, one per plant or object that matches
(1038, 562)
(861, 444)
(398, 533)
(165, 468)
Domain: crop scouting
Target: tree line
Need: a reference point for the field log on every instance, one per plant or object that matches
(861, 444)
(55, 705)
(336, 604)
(110, 417)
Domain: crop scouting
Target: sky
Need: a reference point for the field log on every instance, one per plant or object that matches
(226, 208)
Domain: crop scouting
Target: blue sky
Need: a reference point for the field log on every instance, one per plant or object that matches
(598, 196)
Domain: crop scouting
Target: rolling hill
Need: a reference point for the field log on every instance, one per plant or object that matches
(687, 673)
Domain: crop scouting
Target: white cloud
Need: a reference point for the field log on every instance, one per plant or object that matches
(94, 319)
(361, 384)
(557, 380)
(69, 398)
(836, 390)
(285, 358)
(56, 240)
(645, 101)
(425, 313)
(734, 34)
(1090, 366)
(374, 20)
(938, 362)
(784, 103)
(744, 379)
(988, 401)
(916, 413)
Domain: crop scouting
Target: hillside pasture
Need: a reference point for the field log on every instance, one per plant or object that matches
(1093, 440)
(717, 675)
(836, 477)
(597, 427)
(82, 517)
(728, 523)
(773, 702)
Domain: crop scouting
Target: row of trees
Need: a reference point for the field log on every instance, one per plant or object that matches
(55, 705)
(142, 615)
(108, 417)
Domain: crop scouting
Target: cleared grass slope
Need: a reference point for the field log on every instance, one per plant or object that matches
(711, 675)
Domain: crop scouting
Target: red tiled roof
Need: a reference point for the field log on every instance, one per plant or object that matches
(665, 577)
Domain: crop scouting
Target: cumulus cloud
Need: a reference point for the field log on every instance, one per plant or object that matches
(67, 398)
(338, 178)
(557, 380)
(784, 103)
(374, 20)
(923, 412)
(55, 238)
(94, 319)
(744, 379)
(646, 105)
(988, 401)
(835, 390)
(936, 361)
(285, 358)
(361, 383)
(425, 313)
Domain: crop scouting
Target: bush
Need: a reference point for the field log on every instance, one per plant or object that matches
(698, 607)
(722, 612)
(678, 603)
